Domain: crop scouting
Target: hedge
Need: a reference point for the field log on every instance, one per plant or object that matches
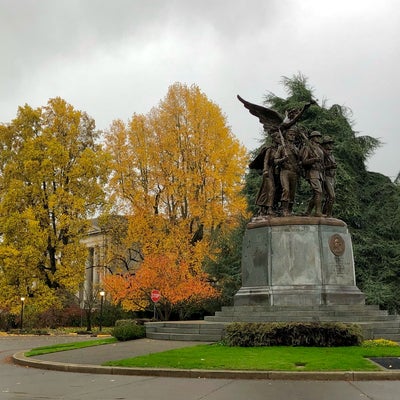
(128, 329)
(318, 334)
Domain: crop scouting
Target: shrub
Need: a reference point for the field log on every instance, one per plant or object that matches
(292, 334)
(7, 320)
(128, 329)
(70, 315)
(379, 343)
(111, 314)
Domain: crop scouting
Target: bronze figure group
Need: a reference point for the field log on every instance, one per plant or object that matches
(290, 155)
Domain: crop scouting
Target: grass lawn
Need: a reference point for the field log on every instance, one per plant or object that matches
(68, 346)
(217, 356)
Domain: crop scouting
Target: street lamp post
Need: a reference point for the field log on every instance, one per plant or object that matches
(22, 312)
(102, 294)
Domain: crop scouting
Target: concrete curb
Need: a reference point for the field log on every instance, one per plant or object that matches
(20, 359)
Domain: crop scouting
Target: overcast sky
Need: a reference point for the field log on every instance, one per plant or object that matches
(114, 58)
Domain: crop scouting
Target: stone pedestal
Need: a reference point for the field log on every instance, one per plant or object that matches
(297, 261)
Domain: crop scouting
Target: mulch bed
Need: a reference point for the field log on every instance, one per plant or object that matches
(387, 362)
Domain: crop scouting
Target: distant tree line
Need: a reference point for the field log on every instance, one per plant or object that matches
(179, 175)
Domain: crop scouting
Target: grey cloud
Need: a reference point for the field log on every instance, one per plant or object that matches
(113, 58)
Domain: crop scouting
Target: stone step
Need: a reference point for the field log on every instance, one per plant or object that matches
(378, 327)
(213, 332)
(250, 318)
(192, 325)
(382, 331)
(358, 318)
(363, 310)
(184, 337)
(389, 336)
(183, 330)
(336, 307)
(261, 314)
(299, 318)
(240, 314)
(381, 325)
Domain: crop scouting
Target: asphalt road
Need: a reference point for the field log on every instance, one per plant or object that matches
(29, 383)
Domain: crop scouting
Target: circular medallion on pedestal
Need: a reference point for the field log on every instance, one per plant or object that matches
(337, 245)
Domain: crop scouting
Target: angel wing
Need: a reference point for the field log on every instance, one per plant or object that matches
(268, 117)
(258, 162)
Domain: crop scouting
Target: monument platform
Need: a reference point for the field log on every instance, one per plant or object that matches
(302, 269)
(300, 261)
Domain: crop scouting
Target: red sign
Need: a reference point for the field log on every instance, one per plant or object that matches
(155, 295)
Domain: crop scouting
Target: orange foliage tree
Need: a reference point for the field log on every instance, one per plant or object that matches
(178, 174)
(180, 286)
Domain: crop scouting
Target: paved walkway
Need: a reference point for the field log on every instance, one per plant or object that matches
(33, 383)
(89, 360)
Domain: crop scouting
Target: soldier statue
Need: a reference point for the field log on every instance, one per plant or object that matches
(266, 197)
(287, 158)
(330, 167)
(312, 159)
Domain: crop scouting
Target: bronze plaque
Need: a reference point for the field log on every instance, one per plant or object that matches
(337, 245)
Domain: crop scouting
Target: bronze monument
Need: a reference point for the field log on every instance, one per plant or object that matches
(292, 151)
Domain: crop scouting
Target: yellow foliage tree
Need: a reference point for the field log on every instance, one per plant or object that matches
(52, 173)
(178, 173)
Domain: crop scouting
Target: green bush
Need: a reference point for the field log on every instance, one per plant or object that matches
(128, 329)
(292, 334)
(379, 343)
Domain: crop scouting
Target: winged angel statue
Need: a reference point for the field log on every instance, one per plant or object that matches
(273, 187)
(270, 118)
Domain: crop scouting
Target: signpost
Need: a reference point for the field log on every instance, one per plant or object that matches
(155, 297)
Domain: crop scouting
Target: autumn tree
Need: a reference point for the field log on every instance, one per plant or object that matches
(52, 172)
(178, 172)
(181, 286)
